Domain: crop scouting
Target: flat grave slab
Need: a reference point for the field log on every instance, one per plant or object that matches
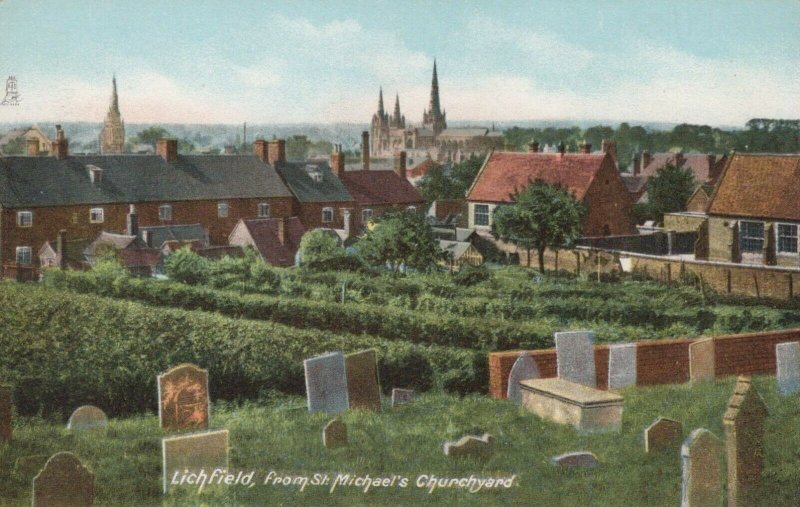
(587, 409)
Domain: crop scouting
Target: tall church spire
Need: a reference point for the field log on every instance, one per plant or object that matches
(114, 98)
(112, 136)
(380, 102)
(434, 107)
(397, 106)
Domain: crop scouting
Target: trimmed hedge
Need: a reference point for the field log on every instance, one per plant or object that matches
(62, 349)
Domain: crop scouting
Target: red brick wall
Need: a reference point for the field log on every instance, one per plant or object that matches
(608, 203)
(311, 214)
(749, 354)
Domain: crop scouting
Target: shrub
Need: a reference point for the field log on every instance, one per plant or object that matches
(187, 267)
(470, 275)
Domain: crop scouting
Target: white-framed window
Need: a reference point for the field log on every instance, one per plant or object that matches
(24, 218)
(24, 255)
(165, 212)
(481, 216)
(263, 210)
(787, 238)
(222, 209)
(751, 236)
(96, 215)
(366, 215)
(327, 215)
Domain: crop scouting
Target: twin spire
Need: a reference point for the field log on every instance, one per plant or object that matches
(432, 118)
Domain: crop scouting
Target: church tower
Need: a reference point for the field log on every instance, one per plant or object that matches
(112, 137)
(379, 135)
(434, 118)
(398, 121)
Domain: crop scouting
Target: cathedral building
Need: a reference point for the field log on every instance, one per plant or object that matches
(112, 137)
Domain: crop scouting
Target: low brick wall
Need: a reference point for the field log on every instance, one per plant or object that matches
(659, 361)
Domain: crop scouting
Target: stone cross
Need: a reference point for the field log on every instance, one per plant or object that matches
(334, 434)
(402, 396)
(787, 357)
(192, 453)
(701, 454)
(663, 434)
(363, 386)
(575, 357)
(524, 369)
(744, 442)
(5, 414)
(183, 398)
(88, 417)
(64, 481)
(701, 360)
(326, 383)
(621, 365)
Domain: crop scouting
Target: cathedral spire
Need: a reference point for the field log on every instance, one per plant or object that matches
(380, 102)
(114, 99)
(397, 107)
(434, 108)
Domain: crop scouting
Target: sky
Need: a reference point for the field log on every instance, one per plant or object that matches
(196, 61)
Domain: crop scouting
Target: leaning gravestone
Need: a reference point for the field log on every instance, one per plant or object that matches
(621, 365)
(700, 458)
(326, 383)
(524, 369)
(5, 414)
(183, 398)
(581, 459)
(575, 357)
(402, 396)
(88, 417)
(471, 446)
(64, 481)
(192, 453)
(334, 434)
(787, 357)
(701, 360)
(744, 442)
(664, 434)
(363, 387)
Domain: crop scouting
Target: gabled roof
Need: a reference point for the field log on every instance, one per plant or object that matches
(699, 163)
(759, 186)
(264, 235)
(635, 183)
(160, 234)
(47, 181)
(454, 248)
(380, 187)
(313, 182)
(505, 173)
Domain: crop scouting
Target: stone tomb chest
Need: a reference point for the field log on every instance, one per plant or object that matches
(585, 408)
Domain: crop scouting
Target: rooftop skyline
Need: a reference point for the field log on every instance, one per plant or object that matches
(718, 63)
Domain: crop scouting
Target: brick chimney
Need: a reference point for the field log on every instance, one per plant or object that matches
(132, 222)
(637, 164)
(282, 230)
(533, 146)
(60, 248)
(276, 152)
(260, 150)
(400, 164)
(337, 160)
(167, 149)
(610, 146)
(32, 145)
(646, 159)
(586, 148)
(365, 150)
(60, 145)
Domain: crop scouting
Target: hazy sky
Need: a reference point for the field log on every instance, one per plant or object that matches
(323, 61)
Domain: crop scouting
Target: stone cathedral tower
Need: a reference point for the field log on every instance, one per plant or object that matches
(112, 137)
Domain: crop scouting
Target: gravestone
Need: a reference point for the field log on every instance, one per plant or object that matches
(183, 398)
(363, 387)
(5, 414)
(471, 446)
(402, 396)
(621, 365)
(581, 459)
(787, 357)
(701, 360)
(744, 442)
(575, 357)
(326, 383)
(701, 454)
(524, 369)
(64, 482)
(88, 417)
(334, 434)
(192, 453)
(664, 434)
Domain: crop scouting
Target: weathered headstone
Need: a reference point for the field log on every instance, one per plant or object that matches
(471, 446)
(326, 383)
(5, 414)
(787, 356)
(334, 434)
(744, 442)
(701, 453)
(192, 453)
(621, 365)
(580, 459)
(701, 360)
(183, 398)
(575, 357)
(64, 481)
(524, 369)
(664, 434)
(363, 386)
(402, 396)
(88, 417)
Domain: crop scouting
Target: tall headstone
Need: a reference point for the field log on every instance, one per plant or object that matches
(64, 482)
(701, 360)
(192, 453)
(787, 357)
(701, 455)
(664, 434)
(524, 368)
(5, 414)
(621, 365)
(88, 417)
(575, 357)
(326, 383)
(402, 396)
(744, 442)
(363, 386)
(334, 434)
(183, 398)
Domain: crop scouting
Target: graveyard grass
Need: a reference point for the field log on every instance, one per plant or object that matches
(408, 440)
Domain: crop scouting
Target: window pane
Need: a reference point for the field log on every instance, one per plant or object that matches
(481, 214)
(751, 236)
(327, 215)
(787, 238)
(165, 212)
(263, 210)
(23, 255)
(222, 209)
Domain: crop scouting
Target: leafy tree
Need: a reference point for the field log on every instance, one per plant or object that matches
(150, 135)
(185, 146)
(318, 246)
(187, 267)
(542, 216)
(400, 239)
(669, 190)
(17, 146)
(439, 183)
(465, 172)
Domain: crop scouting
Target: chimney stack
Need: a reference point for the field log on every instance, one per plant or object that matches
(260, 150)
(132, 222)
(400, 164)
(646, 159)
(60, 145)
(276, 152)
(337, 160)
(167, 149)
(282, 230)
(586, 148)
(32, 145)
(533, 146)
(365, 150)
(610, 146)
(637, 163)
(60, 247)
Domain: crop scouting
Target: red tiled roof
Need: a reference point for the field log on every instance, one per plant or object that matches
(504, 173)
(759, 186)
(380, 187)
(264, 232)
(698, 163)
(420, 169)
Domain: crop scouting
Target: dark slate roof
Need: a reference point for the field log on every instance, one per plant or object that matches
(159, 234)
(47, 181)
(299, 178)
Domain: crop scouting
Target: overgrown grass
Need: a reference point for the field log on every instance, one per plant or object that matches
(407, 441)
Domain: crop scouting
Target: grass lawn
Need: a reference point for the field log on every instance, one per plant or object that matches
(407, 441)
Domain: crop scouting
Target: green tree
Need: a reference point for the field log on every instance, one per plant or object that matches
(317, 247)
(464, 173)
(400, 239)
(436, 184)
(186, 266)
(669, 190)
(150, 135)
(542, 216)
(17, 146)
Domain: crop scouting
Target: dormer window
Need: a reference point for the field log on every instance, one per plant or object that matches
(95, 174)
(314, 173)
